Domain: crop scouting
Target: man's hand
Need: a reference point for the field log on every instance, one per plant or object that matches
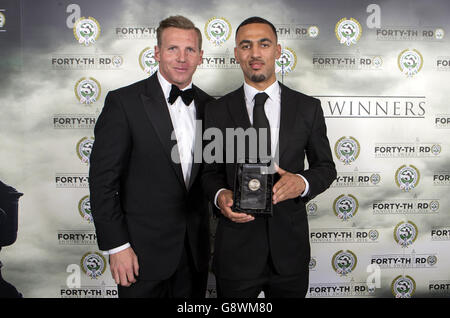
(225, 202)
(289, 186)
(124, 267)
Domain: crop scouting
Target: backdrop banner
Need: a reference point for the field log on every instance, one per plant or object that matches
(380, 69)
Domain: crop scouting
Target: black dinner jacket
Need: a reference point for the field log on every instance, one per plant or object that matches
(241, 250)
(137, 192)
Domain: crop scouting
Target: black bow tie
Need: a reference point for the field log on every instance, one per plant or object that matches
(187, 96)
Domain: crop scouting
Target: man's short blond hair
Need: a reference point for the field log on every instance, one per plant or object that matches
(179, 22)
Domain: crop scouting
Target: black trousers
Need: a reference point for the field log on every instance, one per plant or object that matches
(270, 282)
(186, 282)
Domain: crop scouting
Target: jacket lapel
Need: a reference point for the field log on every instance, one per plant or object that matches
(287, 120)
(238, 109)
(156, 109)
(198, 147)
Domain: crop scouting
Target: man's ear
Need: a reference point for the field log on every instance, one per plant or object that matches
(157, 53)
(235, 55)
(278, 54)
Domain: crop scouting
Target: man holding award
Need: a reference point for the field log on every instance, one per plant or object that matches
(262, 238)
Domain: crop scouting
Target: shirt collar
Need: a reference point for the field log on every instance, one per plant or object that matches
(166, 86)
(273, 91)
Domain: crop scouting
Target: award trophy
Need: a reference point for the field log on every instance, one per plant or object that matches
(253, 183)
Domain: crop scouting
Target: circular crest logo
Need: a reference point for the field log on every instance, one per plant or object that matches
(436, 149)
(86, 31)
(2, 20)
(348, 31)
(403, 286)
(287, 61)
(434, 206)
(405, 233)
(407, 177)
(432, 260)
(313, 31)
(312, 263)
(374, 235)
(375, 178)
(439, 34)
(84, 207)
(344, 262)
(93, 264)
(347, 149)
(84, 148)
(345, 206)
(410, 62)
(377, 61)
(217, 30)
(87, 90)
(311, 208)
(147, 61)
(117, 61)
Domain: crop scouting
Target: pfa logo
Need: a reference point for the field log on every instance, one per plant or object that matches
(312, 263)
(407, 177)
(434, 206)
(436, 149)
(2, 20)
(374, 235)
(403, 286)
(375, 178)
(377, 61)
(410, 62)
(87, 90)
(313, 31)
(93, 264)
(348, 31)
(405, 233)
(344, 262)
(117, 61)
(439, 34)
(147, 61)
(286, 62)
(86, 31)
(84, 148)
(84, 208)
(347, 149)
(311, 208)
(432, 260)
(217, 30)
(345, 206)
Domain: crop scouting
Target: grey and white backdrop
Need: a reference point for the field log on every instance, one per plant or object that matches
(381, 70)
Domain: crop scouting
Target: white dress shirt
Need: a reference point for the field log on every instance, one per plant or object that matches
(272, 108)
(184, 124)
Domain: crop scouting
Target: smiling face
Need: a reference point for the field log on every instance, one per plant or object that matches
(178, 55)
(256, 51)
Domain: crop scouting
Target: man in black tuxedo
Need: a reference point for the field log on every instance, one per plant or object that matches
(269, 254)
(149, 210)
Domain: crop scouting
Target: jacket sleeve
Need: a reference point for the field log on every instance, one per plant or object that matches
(214, 174)
(107, 163)
(322, 171)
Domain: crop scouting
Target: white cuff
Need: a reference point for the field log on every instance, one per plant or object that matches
(117, 249)
(305, 192)
(215, 197)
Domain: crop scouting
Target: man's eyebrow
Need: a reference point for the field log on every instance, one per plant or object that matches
(245, 41)
(260, 40)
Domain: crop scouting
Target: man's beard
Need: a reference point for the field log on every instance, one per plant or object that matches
(258, 78)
